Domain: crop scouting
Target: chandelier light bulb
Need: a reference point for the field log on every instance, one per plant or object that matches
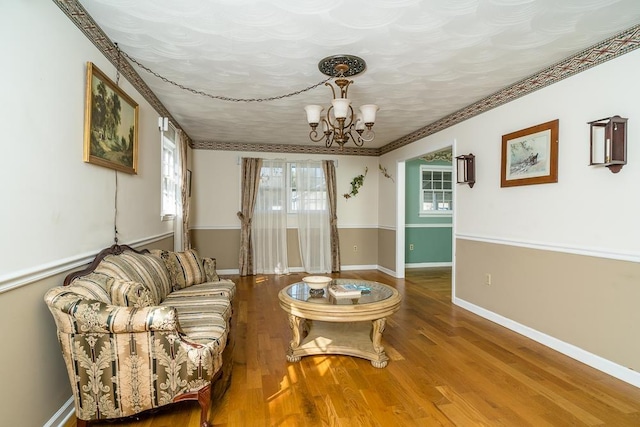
(313, 113)
(369, 113)
(341, 107)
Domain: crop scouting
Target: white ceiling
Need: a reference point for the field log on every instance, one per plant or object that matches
(425, 58)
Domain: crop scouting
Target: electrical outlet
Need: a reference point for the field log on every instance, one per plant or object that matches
(355, 248)
(411, 246)
(487, 279)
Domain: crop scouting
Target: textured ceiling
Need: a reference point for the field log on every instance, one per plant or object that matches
(425, 59)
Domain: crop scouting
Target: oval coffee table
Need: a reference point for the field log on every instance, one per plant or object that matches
(323, 324)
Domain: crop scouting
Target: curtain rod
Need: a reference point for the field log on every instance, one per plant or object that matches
(335, 162)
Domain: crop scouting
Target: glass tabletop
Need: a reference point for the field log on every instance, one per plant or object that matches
(370, 292)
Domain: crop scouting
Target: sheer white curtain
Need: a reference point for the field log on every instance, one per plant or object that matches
(269, 225)
(314, 233)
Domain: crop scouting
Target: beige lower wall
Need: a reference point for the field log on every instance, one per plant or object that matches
(387, 249)
(224, 245)
(366, 241)
(589, 302)
(35, 382)
(34, 378)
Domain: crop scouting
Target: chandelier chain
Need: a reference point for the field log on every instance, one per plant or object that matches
(219, 97)
(118, 66)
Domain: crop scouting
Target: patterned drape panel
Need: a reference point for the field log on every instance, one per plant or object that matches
(250, 179)
(186, 200)
(330, 175)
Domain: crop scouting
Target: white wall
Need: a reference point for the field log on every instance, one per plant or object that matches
(57, 211)
(216, 187)
(590, 214)
(589, 209)
(57, 206)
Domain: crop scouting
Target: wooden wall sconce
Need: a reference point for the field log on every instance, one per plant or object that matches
(466, 169)
(609, 143)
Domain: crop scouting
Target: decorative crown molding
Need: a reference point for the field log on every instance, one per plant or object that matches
(81, 18)
(284, 148)
(445, 155)
(606, 50)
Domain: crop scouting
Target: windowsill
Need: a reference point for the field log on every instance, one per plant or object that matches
(169, 217)
(435, 213)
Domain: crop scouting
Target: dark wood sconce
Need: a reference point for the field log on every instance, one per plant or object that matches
(609, 143)
(466, 169)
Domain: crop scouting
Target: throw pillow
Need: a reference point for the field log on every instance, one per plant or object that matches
(187, 269)
(131, 294)
(210, 269)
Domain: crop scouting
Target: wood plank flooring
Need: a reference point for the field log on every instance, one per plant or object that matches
(448, 367)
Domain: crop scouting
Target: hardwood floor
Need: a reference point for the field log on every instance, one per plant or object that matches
(448, 367)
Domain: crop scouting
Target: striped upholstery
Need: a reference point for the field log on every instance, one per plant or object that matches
(92, 286)
(131, 294)
(222, 287)
(122, 361)
(186, 268)
(131, 344)
(143, 268)
(76, 314)
(201, 304)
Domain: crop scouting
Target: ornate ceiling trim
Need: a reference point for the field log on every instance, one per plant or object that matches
(445, 155)
(284, 148)
(606, 50)
(81, 18)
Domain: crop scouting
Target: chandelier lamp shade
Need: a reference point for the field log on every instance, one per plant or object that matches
(340, 121)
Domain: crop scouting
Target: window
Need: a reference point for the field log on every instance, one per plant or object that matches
(315, 196)
(272, 183)
(169, 173)
(436, 195)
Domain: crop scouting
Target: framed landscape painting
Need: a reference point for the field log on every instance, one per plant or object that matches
(530, 156)
(110, 124)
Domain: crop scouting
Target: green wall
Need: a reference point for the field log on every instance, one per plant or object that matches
(430, 236)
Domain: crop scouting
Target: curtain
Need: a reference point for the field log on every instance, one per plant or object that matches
(269, 226)
(178, 221)
(250, 179)
(314, 234)
(185, 189)
(330, 178)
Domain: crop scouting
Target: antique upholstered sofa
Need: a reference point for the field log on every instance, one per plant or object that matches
(140, 330)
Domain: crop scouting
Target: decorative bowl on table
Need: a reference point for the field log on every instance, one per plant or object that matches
(317, 284)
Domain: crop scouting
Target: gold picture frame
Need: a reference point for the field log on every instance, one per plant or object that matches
(110, 124)
(530, 156)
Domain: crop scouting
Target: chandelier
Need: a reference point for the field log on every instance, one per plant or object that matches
(340, 121)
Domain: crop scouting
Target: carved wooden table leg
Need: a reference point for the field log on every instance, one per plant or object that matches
(298, 326)
(376, 338)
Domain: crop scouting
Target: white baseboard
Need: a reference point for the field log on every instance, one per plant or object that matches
(358, 267)
(63, 415)
(428, 265)
(391, 273)
(608, 367)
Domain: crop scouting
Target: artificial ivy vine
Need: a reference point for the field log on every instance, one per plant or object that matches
(384, 172)
(356, 183)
